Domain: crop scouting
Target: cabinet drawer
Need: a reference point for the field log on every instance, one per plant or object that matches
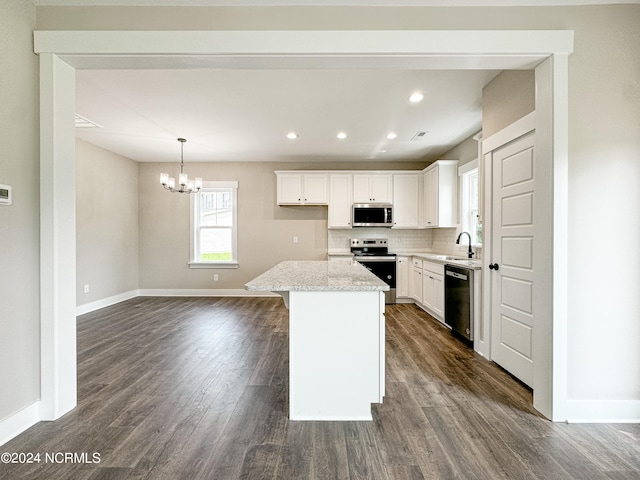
(417, 262)
(437, 268)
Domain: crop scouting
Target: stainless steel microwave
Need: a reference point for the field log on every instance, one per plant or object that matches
(372, 215)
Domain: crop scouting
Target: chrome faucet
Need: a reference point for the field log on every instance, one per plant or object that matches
(470, 252)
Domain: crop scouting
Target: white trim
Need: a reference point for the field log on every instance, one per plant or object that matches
(213, 264)
(307, 42)
(202, 292)
(15, 424)
(169, 292)
(603, 411)
(558, 89)
(105, 302)
(518, 128)
(231, 185)
(325, 49)
(182, 292)
(58, 362)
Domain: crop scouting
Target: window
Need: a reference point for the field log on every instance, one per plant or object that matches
(469, 201)
(214, 226)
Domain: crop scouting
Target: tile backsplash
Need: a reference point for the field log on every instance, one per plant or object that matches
(437, 240)
(400, 241)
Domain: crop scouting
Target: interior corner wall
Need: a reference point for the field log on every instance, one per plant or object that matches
(508, 97)
(106, 224)
(19, 222)
(465, 152)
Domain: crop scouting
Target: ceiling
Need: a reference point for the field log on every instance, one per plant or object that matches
(246, 114)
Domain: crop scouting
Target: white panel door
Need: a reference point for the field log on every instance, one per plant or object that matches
(513, 248)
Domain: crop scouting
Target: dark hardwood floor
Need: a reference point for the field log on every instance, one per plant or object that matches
(196, 388)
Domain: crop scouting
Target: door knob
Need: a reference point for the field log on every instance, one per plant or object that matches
(494, 266)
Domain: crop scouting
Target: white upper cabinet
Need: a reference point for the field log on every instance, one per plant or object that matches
(315, 188)
(340, 200)
(377, 188)
(440, 197)
(406, 200)
(302, 188)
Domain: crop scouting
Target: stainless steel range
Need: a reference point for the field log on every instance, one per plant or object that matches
(373, 253)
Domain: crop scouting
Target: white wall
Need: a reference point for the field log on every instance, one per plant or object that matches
(19, 223)
(106, 223)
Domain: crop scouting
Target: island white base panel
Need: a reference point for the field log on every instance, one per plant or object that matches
(336, 354)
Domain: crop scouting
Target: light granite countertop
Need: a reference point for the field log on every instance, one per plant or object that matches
(317, 276)
(457, 260)
(442, 258)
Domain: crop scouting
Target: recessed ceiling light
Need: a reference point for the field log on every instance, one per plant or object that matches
(341, 135)
(392, 135)
(416, 97)
(292, 135)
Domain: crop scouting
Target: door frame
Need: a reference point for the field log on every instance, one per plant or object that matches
(61, 52)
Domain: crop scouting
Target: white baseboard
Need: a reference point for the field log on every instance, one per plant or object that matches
(15, 424)
(105, 302)
(603, 411)
(169, 292)
(404, 300)
(202, 292)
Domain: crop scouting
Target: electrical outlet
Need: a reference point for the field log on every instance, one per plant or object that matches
(5, 194)
(86, 288)
(295, 239)
(215, 277)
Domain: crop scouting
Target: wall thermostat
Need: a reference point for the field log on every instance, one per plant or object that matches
(5, 194)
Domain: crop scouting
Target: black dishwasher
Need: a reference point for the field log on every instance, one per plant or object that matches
(458, 301)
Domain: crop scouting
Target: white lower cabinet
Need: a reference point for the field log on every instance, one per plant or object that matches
(433, 289)
(402, 277)
(415, 285)
(427, 287)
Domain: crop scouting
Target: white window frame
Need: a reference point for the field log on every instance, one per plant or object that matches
(464, 172)
(213, 186)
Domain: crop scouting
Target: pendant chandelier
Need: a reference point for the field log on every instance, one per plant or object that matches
(186, 185)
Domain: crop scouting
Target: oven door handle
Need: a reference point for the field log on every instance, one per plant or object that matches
(375, 259)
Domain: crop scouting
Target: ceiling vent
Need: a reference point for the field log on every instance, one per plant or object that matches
(81, 122)
(419, 135)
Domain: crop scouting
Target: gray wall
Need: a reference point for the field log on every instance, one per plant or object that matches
(464, 152)
(106, 223)
(19, 223)
(265, 232)
(507, 98)
(604, 165)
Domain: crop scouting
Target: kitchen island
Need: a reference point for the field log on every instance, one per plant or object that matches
(336, 337)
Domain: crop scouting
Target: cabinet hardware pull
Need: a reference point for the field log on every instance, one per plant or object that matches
(494, 266)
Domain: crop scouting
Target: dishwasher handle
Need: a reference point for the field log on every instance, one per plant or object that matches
(459, 276)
